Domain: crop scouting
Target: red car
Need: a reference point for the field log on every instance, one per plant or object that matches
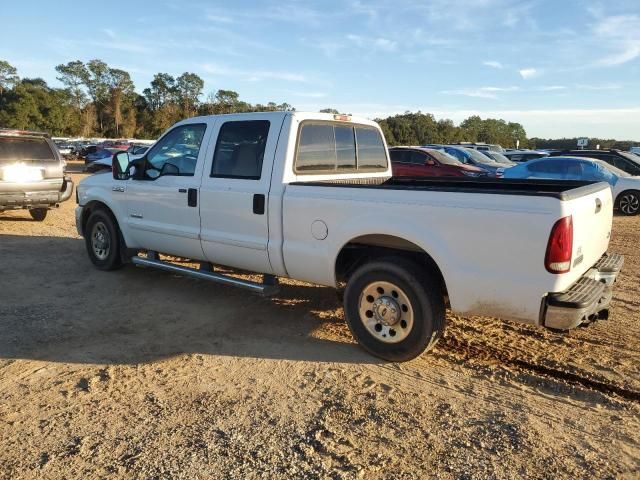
(121, 145)
(427, 162)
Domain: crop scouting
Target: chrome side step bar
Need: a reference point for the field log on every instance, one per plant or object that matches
(269, 286)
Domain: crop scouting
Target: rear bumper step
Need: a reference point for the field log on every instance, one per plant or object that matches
(588, 299)
(268, 287)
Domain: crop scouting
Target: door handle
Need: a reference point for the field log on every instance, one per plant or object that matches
(258, 204)
(182, 190)
(192, 197)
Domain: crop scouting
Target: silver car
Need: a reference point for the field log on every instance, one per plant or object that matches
(31, 173)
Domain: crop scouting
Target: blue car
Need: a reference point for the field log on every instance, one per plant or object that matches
(624, 187)
(98, 155)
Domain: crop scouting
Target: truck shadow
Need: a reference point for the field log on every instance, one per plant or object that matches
(55, 306)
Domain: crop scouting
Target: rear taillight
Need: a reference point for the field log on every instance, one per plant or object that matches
(560, 247)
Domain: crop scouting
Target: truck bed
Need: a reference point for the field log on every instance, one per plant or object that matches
(562, 190)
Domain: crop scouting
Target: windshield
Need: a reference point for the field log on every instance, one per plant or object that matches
(630, 156)
(612, 169)
(25, 149)
(479, 157)
(498, 157)
(443, 157)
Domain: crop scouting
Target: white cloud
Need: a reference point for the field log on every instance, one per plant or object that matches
(482, 92)
(308, 94)
(128, 47)
(527, 73)
(214, 17)
(379, 43)
(622, 34)
(493, 64)
(603, 86)
(552, 88)
(254, 75)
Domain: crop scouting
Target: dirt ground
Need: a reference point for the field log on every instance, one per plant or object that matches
(143, 374)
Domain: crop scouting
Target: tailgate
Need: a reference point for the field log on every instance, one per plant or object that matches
(592, 215)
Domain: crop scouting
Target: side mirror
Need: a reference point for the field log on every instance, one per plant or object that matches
(120, 166)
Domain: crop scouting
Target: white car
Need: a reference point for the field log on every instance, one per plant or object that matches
(310, 196)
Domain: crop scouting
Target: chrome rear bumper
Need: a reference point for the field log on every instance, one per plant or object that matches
(587, 300)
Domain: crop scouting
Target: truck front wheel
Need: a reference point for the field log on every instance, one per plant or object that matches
(394, 310)
(103, 241)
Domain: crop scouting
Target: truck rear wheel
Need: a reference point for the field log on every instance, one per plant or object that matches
(102, 240)
(393, 309)
(38, 214)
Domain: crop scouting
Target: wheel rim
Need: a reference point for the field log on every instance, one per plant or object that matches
(630, 204)
(100, 241)
(386, 312)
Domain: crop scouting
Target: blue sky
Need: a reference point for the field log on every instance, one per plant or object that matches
(561, 68)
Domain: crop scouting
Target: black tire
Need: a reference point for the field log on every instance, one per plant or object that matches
(102, 240)
(628, 202)
(38, 214)
(426, 308)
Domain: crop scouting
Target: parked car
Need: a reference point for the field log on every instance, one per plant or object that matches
(498, 158)
(121, 145)
(31, 173)
(311, 196)
(519, 156)
(99, 154)
(626, 161)
(428, 162)
(105, 164)
(483, 147)
(137, 149)
(625, 188)
(88, 149)
(469, 156)
(64, 148)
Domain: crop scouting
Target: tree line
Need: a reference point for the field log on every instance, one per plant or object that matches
(571, 143)
(422, 129)
(97, 100)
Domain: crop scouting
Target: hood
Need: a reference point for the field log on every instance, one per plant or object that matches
(471, 168)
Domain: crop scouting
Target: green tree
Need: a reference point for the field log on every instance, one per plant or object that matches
(163, 90)
(96, 79)
(121, 91)
(189, 88)
(8, 76)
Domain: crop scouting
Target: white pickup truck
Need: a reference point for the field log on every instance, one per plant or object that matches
(310, 196)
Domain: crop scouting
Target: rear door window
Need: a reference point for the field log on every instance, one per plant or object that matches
(25, 149)
(325, 147)
(240, 149)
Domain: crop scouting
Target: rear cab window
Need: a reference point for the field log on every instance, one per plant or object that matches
(25, 149)
(335, 147)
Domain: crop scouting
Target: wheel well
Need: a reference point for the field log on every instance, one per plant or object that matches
(631, 190)
(91, 207)
(368, 247)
